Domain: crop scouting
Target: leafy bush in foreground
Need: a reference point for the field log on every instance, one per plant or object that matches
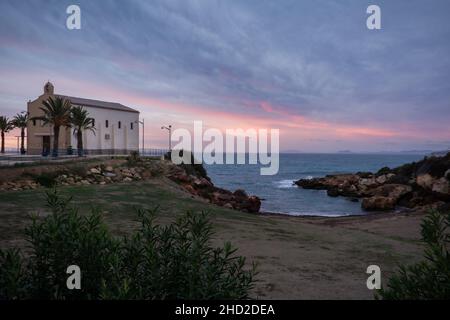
(156, 262)
(429, 279)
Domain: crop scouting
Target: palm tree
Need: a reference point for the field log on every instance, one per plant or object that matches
(5, 126)
(80, 120)
(20, 121)
(56, 113)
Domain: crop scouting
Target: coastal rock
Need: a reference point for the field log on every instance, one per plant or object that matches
(368, 182)
(190, 189)
(221, 196)
(425, 181)
(95, 171)
(254, 204)
(179, 175)
(381, 179)
(310, 183)
(240, 193)
(195, 181)
(418, 184)
(378, 203)
(394, 191)
(250, 204)
(340, 181)
(202, 183)
(441, 186)
(333, 192)
(447, 174)
(364, 175)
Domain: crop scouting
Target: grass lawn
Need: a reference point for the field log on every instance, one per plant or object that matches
(299, 258)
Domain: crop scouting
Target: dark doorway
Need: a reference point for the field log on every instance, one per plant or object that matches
(45, 145)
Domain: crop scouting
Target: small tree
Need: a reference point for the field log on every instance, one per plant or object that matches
(81, 121)
(5, 126)
(56, 113)
(429, 279)
(20, 120)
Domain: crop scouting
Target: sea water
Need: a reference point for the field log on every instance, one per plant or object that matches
(280, 195)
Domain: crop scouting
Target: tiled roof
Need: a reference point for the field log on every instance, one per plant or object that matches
(98, 104)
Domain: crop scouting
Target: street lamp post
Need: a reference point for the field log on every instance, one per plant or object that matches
(143, 130)
(169, 128)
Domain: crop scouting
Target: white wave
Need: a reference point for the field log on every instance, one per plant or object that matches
(321, 214)
(284, 184)
(317, 214)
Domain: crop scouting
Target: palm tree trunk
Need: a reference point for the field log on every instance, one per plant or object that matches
(80, 143)
(55, 140)
(22, 141)
(3, 142)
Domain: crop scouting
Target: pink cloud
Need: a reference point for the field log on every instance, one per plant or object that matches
(294, 128)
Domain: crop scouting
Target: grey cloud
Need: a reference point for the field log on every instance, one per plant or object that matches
(308, 58)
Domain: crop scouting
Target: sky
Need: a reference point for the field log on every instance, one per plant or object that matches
(311, 69)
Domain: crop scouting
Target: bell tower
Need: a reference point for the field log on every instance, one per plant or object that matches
(49, 88)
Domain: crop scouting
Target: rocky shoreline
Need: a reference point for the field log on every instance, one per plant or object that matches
(192, 178)
(419, 185)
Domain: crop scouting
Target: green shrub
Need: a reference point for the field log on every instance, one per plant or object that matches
(11, 274)
(78, 170)
(62, 239)
(429, 279)
(384, 170)
(177, 262)
(133, 159)
(174, 261)
(46, 179)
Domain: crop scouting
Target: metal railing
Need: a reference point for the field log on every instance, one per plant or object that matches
(11, 158)
(12, 151)
(153, 152)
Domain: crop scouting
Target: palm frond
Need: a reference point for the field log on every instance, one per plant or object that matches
(79, 118)
(5, 124)
(56, 111)
(20, 120)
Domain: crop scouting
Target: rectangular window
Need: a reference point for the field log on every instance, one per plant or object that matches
(34, 122)
(131, 126)
(120, 125)
(106, 123)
